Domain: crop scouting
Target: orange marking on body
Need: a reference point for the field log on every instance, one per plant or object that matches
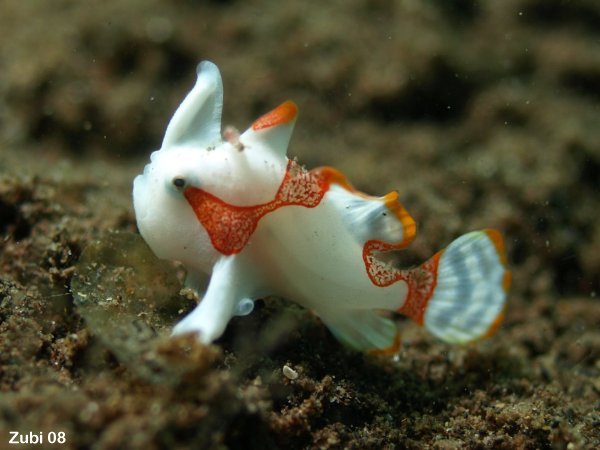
(420, 281)
(230, 227)
(388, 351)
(380, 273)
(421, 284)
(284, 113)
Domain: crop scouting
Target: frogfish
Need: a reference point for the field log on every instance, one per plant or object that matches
(234, 208)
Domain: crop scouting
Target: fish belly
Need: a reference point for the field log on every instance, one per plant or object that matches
(307, 255)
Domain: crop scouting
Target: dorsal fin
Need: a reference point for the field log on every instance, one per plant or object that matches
(197, 121)
(273, 130)
(369, 218)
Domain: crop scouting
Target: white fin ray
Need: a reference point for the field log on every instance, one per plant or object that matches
(197, 121)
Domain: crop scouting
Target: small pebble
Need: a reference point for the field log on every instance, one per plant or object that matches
(289, 373)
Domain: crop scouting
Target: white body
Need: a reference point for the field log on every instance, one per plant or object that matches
(313, 254)
(299, 253)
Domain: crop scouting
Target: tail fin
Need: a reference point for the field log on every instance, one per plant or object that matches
(459, 293)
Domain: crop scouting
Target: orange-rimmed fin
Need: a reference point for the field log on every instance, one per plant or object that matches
(369, 218)
(495, 325)
(460, 293)
(496, 238)
(284, 113)
(273, 131)
(408, 223)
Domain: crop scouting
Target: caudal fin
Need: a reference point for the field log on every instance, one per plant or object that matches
(459, 293)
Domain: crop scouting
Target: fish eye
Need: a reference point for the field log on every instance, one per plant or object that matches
(179, 182)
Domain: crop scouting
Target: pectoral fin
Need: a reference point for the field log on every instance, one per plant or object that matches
(364, 330)
(227, 295)
(373, 218)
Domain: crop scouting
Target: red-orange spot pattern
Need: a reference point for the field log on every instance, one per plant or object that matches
(420, 281)
(230, 227)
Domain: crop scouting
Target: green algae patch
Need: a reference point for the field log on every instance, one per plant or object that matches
(130, 301)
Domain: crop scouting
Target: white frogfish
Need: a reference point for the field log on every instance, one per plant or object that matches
(235, 208)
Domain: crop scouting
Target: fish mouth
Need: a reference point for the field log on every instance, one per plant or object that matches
(139, 193)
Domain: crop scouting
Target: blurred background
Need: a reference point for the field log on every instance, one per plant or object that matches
(479, 113)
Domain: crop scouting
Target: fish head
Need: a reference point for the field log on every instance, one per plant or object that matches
(239, 170)
(163, 216)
